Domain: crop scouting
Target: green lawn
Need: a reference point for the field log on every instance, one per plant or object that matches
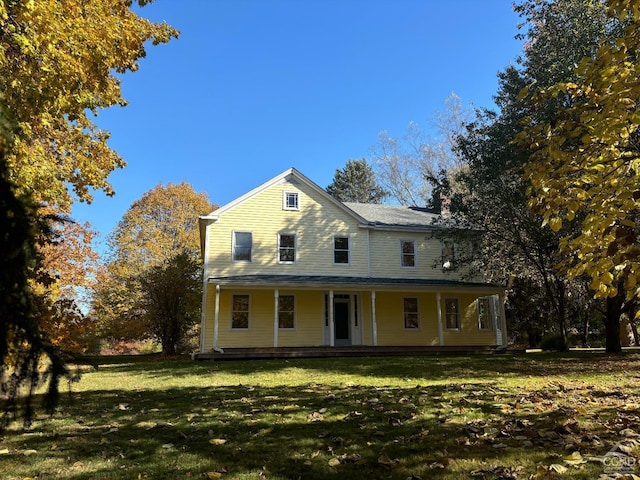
(444, 417)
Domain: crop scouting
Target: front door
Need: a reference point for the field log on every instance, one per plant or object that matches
(341, 309)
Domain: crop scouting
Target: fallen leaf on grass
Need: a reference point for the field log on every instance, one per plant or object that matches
(582, 411)
(4, 451)
(214, 475)
(574, 459)
(217, 441)
(383, 459)
(334, 462)
(29, 452)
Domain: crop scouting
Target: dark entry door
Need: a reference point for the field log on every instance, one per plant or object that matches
(341, 310)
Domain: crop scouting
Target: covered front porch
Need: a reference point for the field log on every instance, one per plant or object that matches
(308, 315)
(350, 351)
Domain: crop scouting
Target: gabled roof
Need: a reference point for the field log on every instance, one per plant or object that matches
(394, 216)
(292, 175)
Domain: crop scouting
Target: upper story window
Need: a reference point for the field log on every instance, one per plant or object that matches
(341, 250)
(242, 242)
(452, 313)
(448, 255)
(408, 253)
(290, 201)
(286, 248)
(484, 313)
(411, 318)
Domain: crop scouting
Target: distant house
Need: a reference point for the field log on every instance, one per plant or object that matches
(287, 265)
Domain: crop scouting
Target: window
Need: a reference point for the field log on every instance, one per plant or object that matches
(452, 313)
(242, 246)
(290, 201)
(341, 250)
(484, 313)
(448, 255)
(286, 311)
(286, 248)
(408, 248)
(240, 312)
(411, 319)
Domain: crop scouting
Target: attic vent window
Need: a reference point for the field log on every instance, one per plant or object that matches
(290, 201)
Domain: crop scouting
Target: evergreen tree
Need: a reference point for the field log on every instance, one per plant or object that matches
(356, 182)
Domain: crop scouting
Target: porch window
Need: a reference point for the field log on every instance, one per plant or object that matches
(286, 312)
(484, 313)
(452, 313)
(408, 253)
(242, 242)
(286, 248)
(240, 312)
(411, 319)
(341, 250)
(290, 201)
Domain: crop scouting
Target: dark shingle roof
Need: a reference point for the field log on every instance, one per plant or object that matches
(333, 281)
(395, 215)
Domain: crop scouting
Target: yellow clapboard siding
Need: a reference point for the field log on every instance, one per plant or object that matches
(469, 333)
(315, 225)
(386, 256)
(390, 319)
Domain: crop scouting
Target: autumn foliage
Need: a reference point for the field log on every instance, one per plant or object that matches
(58, 61)
(586, 161)
(150, 286)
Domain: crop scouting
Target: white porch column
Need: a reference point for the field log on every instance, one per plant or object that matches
(216, 319)
(374, 321)
(503, 319)
(276, 302)
(331, 321)
(440, 330)
(203, 317)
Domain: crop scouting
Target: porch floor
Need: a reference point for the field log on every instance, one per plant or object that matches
(350, 351)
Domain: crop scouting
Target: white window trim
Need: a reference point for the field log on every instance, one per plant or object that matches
(285, 205)
(404, 312)
(333, 249)
(488, 314)
(295, 313)
(295, 248)
(459, 322)
(415, 255)
(237, 329)
(233, 247)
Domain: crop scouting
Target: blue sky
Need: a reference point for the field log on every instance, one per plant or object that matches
(253, 87)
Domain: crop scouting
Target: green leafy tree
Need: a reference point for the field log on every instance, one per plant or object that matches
(585, 165)
(171, 300)
(491, 193)
(58, 62)
(356, 182)
(152, 236)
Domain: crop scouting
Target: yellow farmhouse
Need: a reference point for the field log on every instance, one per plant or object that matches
(287, 265)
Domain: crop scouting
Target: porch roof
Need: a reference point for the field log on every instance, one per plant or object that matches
(358, 283)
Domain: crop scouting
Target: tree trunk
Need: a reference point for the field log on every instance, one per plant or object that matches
(585, 328)
(612, 323)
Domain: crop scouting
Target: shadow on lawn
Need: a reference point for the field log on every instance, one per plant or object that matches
(308, 431)
(413, 368)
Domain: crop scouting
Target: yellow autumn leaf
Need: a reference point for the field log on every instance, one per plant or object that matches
(574, 459)
(214, 475)
(217, 441)
(555, 223)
